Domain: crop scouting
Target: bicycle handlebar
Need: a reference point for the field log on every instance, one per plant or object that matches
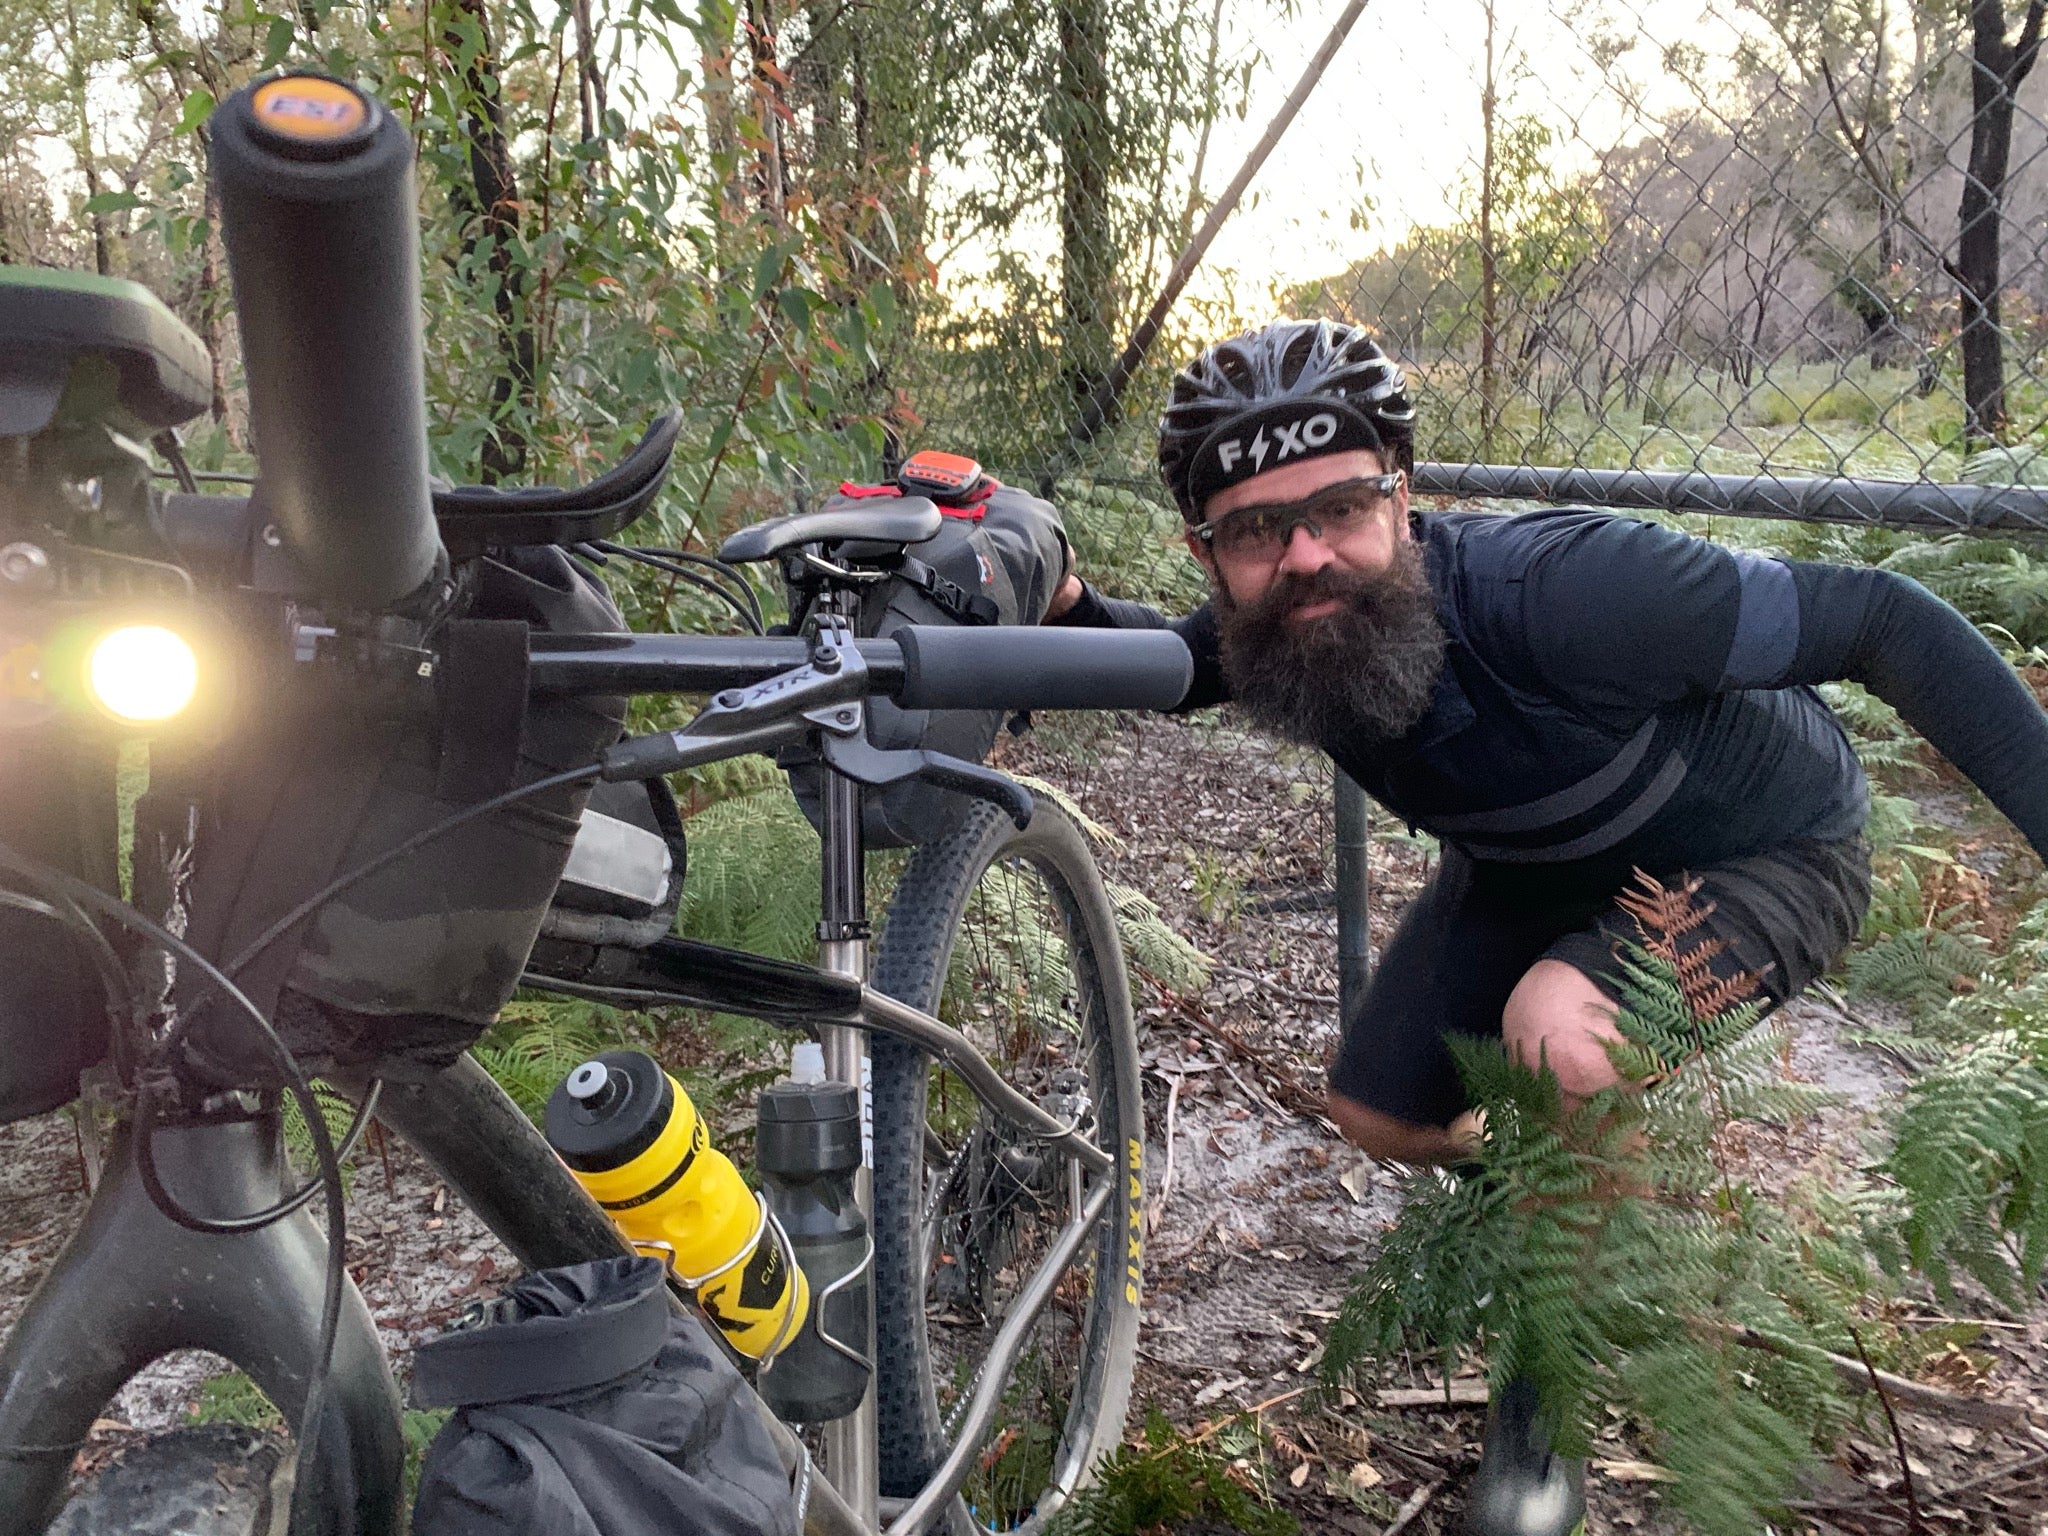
(318, 213)
(922, 667)
(1017, 668)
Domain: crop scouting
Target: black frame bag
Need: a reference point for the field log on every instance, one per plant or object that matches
(585, 1405)
(402, 971)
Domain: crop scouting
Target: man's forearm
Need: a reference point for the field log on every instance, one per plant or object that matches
(1930, 664)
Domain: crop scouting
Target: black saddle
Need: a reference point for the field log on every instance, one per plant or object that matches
(894, 521)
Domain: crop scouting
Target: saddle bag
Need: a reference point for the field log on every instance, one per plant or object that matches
(996, 560)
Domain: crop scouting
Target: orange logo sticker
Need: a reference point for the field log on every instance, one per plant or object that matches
(310, 109)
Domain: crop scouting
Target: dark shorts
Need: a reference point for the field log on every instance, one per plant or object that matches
(1475, 929)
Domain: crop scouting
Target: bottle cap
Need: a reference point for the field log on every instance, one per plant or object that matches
(608, 1111)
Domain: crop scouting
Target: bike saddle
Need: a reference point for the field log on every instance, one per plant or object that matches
(474, 518)
(50, 321)
(895, 521)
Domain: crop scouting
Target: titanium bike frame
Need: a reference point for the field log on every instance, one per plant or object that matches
(130, 1285)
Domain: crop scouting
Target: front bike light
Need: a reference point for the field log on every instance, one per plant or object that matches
(142, 674)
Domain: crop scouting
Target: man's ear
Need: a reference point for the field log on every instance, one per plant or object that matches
(1203, 557)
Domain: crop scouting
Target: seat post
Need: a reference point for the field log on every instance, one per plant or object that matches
(849, 1443)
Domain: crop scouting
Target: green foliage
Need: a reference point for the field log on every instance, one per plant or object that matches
(752, 880)
(1151, 943)
(1912, 954)
(1602, 1251)
(535, 1043)
(1997, 582)
(1971, 1155)
(1171, 1479)
(1131, 544)
(233, 1398)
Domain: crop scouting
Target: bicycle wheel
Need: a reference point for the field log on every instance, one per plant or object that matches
(1009, 937)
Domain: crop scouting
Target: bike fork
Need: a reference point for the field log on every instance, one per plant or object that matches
(132, 1285)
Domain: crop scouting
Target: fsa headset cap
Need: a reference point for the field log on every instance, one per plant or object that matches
(1296, 390)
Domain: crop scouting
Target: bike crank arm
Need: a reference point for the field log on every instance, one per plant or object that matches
(994, 1376)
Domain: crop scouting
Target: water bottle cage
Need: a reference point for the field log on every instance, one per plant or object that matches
(867, 1263)
(764, 1222)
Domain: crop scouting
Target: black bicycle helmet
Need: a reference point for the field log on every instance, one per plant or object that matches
(1296, 389)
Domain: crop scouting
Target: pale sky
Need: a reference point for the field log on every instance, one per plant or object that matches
(1397, 114)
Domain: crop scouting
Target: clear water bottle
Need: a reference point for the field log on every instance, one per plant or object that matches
(806, 1154)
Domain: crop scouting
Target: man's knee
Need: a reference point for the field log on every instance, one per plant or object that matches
(1557, 1017)
(1394, 1140)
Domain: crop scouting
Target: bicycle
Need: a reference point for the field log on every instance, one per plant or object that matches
(1021, 1183)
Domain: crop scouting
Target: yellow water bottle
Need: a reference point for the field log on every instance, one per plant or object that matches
(633, 1139)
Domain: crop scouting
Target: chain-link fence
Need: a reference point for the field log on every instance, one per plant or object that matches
(1775, 257)
(1738, 253)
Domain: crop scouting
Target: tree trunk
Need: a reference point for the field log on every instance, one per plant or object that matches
(1087, 246)
(494, 218)
(1996, 69)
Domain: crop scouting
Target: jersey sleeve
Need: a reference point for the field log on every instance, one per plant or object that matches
(1630, 616)
(1198, 629)
(1928, 662)
(1627, 616)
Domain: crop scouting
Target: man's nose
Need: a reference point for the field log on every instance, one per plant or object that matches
(1303, 554)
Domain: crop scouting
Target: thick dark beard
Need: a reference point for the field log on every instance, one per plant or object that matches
(1366, 671)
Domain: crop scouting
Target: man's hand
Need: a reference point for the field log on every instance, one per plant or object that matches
(1064, 597)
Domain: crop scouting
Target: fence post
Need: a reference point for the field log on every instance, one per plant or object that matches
(1354, 894)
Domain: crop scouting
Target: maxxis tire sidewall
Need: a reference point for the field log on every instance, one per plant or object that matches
(929, 904)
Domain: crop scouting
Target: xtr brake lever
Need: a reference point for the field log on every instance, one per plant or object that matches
(772, 713)
(849, 752)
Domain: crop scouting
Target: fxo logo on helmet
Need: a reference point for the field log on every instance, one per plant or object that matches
(1289, 440)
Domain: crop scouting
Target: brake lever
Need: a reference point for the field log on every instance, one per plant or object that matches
(776, 712)
(847, 750)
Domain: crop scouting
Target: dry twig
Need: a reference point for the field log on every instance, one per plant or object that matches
(1898, 1436)
(1417, 1502)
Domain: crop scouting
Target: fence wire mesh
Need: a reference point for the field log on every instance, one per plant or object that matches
(1741, 258)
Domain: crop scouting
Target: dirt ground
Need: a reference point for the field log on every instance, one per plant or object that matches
(1259, 1213)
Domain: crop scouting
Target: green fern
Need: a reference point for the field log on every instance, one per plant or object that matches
(535, 1043)
(1971, 1155)
(1169, 1481)
(1153, 945)
(752, 880)
(1634, 1301)
(1919, 966)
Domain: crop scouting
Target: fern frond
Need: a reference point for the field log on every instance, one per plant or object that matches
(1153, 944)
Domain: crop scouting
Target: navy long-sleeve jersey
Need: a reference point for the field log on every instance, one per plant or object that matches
(1618, 695)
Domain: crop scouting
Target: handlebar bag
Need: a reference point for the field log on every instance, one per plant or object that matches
(996, 562)
(586, 1406)
(402, 971)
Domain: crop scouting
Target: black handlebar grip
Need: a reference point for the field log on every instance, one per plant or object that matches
(1012, 667)
(318, 212)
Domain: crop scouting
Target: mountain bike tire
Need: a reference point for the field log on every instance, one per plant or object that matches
(1010, 937)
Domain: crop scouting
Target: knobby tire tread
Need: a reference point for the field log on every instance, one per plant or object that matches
(910, 965)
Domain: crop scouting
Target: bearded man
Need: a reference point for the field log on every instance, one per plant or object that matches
(1563, 699)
